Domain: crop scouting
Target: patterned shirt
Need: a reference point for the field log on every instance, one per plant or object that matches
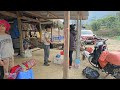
(6, 46)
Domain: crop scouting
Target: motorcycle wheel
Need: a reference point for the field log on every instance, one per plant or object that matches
(1, 72)
(90, 61)
(116, 74)
(85, 43)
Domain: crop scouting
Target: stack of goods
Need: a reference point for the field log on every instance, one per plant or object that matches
(28, 64)
(23, 71)
(29, 28)
(62, 54)
(32, 27)
(25, 26)
(27, 53)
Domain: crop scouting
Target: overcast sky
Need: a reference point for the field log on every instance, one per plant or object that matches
(96, 15)
(99, 14)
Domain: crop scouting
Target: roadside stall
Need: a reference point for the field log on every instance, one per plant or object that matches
(37, 18)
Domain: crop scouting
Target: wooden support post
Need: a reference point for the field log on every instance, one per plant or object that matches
(66, 44)
(51, 34)
(21, 33)
(40, 31)
(78, 38)
(59, 33)
(80, 30)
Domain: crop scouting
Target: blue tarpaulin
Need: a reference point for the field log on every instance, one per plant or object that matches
(57, 38)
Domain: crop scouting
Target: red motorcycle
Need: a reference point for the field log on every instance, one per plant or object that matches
(101, 58)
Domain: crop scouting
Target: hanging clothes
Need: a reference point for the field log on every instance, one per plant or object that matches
(15, 31)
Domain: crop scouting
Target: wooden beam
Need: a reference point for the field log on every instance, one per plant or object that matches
(9, 14)
(21, 33)
(29, 19)
(52, 14)
(66, 44)
(34, 22)
(32, 13)
(5, 13)
(54, 18)
(46, 22)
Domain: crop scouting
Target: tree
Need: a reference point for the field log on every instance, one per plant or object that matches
(87, 26)
(95, 26)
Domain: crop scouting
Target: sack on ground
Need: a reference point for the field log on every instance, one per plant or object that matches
(90, 73)
(28, 64)
(14, 72)
(58, 59)
(21, 69)
(12, 76)
(27, 53)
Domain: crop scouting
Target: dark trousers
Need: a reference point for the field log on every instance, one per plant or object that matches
(70, 58)
(1, 72)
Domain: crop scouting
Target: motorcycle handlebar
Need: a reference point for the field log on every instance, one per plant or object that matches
(105, 40)
(102, 39)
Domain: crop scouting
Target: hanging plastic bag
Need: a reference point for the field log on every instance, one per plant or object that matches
(77, 63)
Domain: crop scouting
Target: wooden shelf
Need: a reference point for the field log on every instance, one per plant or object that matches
(29, 30)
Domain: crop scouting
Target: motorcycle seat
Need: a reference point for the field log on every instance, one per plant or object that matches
(113, 57)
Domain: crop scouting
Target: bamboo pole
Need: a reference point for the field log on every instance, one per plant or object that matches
(66, 44)
(20, 30)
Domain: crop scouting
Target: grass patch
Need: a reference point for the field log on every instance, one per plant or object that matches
(116, 37)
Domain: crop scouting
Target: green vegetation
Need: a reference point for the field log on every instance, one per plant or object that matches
(117, 37)
(108, 26)
(95, 26)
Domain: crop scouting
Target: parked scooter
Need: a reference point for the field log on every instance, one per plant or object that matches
(101, 58)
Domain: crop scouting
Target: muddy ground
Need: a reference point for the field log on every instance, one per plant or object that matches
(56, 71)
